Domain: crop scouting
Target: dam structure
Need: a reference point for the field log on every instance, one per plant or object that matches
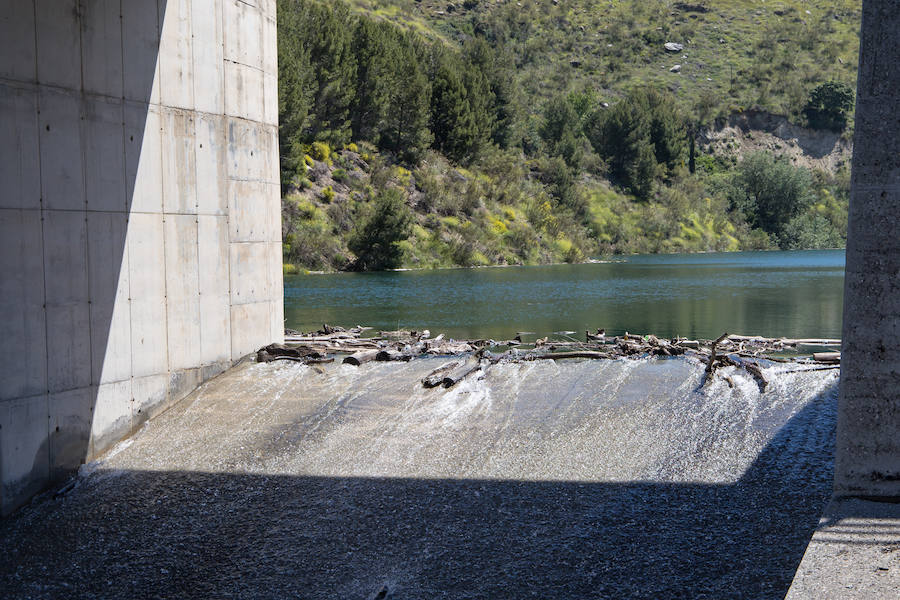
(140, 235)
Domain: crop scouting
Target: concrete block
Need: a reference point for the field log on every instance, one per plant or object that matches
(182, 291)
(244, 91)
(110, 342)
(249, 215)
(246, 150)
(19, 155)
(146, 256)
(250, 328)
(58, 43)
(182, 383)
(213, 255)
(69, 346)
(210, 157)
(270, 98)
(107, 234)
(17, 61)
(209, 77)
(24, 450)
(71, 414)
(182, 279)
(101, 47)
(23, 341)
(65, 257)
(249, 275)
(112, 415)
(243, 34)
(215, 329)
(62, 179)
(273, 202)
(176, 70)
(143, 158)
(149, 397)
(271, 169)
(179, 162)
(102, 135)
(183, 321)
(140, 48)
(149, 346)
(109, 293)
(270, 45)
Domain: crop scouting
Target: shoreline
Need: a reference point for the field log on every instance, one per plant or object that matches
(613, 259)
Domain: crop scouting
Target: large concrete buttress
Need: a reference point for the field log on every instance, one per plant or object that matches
(140, 235)
(868, 442)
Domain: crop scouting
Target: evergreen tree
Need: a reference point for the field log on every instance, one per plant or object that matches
(498, 68)
(405, 125)
(376, 240)
(374, 44)
(296, 82)
(327, 34)
(460, 99)
(640, 137)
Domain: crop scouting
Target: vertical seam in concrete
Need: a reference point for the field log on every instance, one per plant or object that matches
(226, 188)
(82, 128)
(41, 211)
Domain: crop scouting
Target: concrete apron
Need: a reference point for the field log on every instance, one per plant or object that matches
(577, 479)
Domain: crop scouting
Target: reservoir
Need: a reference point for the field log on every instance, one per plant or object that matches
(791, 294)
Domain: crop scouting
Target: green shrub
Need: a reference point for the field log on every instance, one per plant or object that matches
(376, 239)
(829, 105)
(321, 152)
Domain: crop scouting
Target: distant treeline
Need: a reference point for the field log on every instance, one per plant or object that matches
(346, 78)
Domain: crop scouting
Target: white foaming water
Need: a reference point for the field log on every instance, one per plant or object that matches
(619, 420)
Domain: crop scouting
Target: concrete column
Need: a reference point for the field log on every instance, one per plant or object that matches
(868, 441)
(140, 216)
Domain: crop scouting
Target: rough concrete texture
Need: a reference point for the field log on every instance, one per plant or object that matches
(139, 216)
(868, 443)
(595, 479)
(854, 554)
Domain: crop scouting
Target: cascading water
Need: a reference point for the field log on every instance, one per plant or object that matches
(610, 478)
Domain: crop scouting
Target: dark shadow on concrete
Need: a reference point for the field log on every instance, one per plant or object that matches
(200, 535)
(83, 251)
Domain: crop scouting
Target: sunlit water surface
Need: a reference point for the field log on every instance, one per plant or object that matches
(794, 294)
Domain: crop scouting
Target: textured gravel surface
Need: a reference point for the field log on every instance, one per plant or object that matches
(579, 480)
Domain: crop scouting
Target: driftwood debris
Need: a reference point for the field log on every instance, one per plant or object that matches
(728, 350)
(436, 377)
(453, 377)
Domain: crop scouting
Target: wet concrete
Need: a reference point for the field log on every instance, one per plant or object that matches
(579, 480)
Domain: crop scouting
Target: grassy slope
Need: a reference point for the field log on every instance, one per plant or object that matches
(738, 54)
(492, 214)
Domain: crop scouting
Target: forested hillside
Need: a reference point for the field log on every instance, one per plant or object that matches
(424, 134)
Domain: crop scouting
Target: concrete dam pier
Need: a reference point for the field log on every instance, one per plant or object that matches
(140, 223)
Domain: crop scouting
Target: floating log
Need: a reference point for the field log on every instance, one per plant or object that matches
(392, 355)
(827, 357)
(565, 355)
(460, 373)
(436, 377)
(359, 358)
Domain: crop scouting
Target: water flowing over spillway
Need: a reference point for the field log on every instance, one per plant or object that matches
(613, 478)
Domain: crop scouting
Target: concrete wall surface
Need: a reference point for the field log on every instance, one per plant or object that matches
(140, 236)
(868, 439)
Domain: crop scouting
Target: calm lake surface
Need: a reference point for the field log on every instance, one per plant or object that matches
(793, 294)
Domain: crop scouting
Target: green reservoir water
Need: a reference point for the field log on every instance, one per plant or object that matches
(794, 294)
